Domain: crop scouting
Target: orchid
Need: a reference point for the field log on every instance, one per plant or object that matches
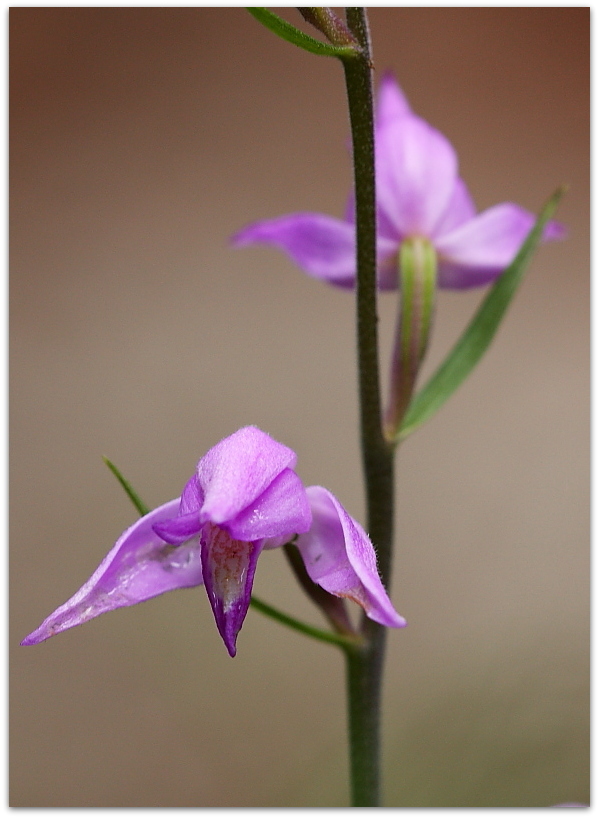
(243, 497)
(410, 226)
(419, 194)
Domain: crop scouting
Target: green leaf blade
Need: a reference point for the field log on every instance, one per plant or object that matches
(480, 332)
(139, 504)
(297, 37)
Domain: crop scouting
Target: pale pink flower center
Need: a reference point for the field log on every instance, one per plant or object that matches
(229, 561)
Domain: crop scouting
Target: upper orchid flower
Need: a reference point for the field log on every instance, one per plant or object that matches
(244, 496)
(419, 193)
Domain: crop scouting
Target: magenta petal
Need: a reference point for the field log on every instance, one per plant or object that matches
(460, 209)
(386, 232)
(479, 250)
(339, 557)
(228, 567)
(416, 169)
(322, 246)
(281, 510)
(138, 567)
(179, 529)
(391, 101)
(192, 497)
(235, 472)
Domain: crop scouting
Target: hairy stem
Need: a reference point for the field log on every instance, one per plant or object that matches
(365, 668)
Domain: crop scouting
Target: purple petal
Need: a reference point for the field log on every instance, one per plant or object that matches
(282, 510)
(387, 235)
(416, 169)
(228, 566)
(322, 246)
(138, 567)
(460, 209)
(186, 523)
(339, 557)
(179, 529)
(479, 250)
(192, 498)
(235, 472)
(391, 101)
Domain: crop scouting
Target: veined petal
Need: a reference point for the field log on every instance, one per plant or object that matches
(282, 510)
(416, 171)
(139, 566)
(322, 246)
(391, 102)
(228, 566)
(479, 250)
(235, 472)
(339, 557)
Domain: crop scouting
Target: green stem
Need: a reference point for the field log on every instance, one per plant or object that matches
(365, 669)
(349, 643)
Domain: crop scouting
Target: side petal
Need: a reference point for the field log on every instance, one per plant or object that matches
(282, 510)
(416, 171)
(479, 250)
(138, 567)
(192, 497)
(235, 472)
(228, 567)
(186, 523)
(179, 529)
(323, 247)
(339, 557)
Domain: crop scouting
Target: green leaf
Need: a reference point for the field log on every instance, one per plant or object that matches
(478, 335)
(139, 504)
(294, 35)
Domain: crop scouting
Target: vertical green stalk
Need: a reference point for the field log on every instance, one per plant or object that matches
(365, 666)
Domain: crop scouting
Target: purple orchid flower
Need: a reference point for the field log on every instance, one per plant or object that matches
(243, 497)
(419, 193)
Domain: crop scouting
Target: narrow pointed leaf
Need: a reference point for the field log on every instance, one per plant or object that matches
(294, 35)
(479, 334)
(139, 504)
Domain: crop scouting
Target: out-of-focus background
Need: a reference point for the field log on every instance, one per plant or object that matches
(141, 139)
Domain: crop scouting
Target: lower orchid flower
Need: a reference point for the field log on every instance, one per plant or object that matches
(419, 194)
(243, 497)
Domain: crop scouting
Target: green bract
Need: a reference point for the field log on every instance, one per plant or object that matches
(479, 334)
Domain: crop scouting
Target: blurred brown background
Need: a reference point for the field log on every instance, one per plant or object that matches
(141, 138)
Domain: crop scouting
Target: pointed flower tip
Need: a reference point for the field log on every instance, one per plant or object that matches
(242, 238)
